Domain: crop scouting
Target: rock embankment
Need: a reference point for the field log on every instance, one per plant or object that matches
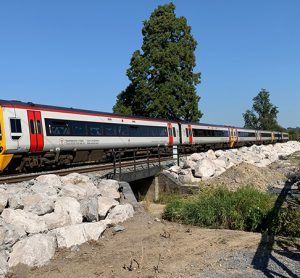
(203, 166)
(50, 212)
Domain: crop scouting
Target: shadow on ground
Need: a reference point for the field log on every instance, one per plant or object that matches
(273, 250)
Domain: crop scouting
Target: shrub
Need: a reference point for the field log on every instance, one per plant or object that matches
(245, 209)
(287, 222)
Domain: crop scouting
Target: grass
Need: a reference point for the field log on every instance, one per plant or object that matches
(246, 209)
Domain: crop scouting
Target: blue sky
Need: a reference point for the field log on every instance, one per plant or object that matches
(75, 53)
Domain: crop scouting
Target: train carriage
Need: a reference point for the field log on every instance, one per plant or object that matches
(33, 135)
(38, 134)
(194, 134)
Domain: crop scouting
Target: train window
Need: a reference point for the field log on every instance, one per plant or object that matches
(38, 126)
(174, 132)
(59, 128)
(123, 130)
(246, 134)
(79, 128)
(15, 126)
(209, 133)
(265, 134)
(110, 130)
(134, 131)
(170, 131)
(0, 133)
(95, 129)
(32, 129)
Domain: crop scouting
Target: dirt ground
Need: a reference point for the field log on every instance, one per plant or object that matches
(151, 247)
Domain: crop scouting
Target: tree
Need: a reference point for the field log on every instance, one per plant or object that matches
(263, 114)
(163, 83)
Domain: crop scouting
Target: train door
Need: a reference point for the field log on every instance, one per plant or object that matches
(190, 133)
(170, 132)
(234, 137)
(35, 131)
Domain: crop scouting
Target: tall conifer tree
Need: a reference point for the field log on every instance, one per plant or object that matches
(163, 83)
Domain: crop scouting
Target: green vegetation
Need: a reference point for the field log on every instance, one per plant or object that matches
(263, 114)
(245, 209)
(294, 133)
(163, 83)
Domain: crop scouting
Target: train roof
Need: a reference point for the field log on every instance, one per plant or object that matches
(31, 105)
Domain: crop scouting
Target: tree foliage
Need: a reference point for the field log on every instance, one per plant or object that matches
(294, 133)
(263, 114)
(163, 83)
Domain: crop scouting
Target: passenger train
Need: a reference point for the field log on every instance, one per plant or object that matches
(34, 135)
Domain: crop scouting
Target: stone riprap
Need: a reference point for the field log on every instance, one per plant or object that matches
(51, 212)
(203, 166)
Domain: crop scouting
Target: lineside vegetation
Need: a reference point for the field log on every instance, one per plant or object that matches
(246, 209)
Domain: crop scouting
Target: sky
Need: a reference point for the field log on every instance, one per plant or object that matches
(75, 53)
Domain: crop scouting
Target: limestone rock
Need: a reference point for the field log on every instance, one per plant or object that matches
(38, 203)
(89, 209)
(120, 213)
(205, 169)
(74, 191)
(51, 180)
(104, 205)
(174, 169)
(15, 197)
(219, 153)
(80, 233)
(36, 250)
(66, 212)
(77, 186)
(210, 154)
(3, 265)
(186, 177)
(196, 156)
(46, 189)
(189, 163)
(220, 163)
(9, 234)
(109, 188)
(30, 222)
(3, 199)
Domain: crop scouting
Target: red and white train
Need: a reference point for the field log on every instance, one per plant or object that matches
(33, 135)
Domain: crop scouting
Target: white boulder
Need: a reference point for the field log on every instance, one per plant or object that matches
(219, 153)
(9, 234)
(3, 265)
(210, 154)
(3, 199)
(89, 209)
(66, 212)
(120, 213)
(80, 233)
(38, 203)
(77, 186)
(15, 197)
(36, 250)
(109, 188)
(51, 180)
(205, 169)
(196, 156)
(30, 222)
(189, 163)
(104, 205)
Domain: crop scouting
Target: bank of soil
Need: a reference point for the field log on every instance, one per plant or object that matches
(151, 247)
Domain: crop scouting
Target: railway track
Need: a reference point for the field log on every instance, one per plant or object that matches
(82, 169)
